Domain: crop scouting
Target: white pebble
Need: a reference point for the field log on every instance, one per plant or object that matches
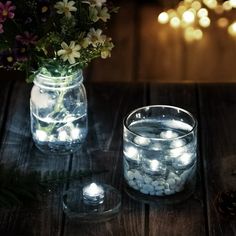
(169, 192)
(148, 187)
(144, 191)
(171, 182)
(172, 175)
(137, 175)
(147, 180)
(130, 174)
(159, 187)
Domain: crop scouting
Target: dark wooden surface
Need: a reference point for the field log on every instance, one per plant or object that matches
(214, 105)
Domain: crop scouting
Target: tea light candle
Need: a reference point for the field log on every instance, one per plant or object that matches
(153, 167)
(93, 194)
(183, 161)
(168, 134)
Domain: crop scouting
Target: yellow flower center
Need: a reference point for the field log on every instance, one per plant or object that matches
(69, 50)
(4, 12)
(66, 9)
(10, 59)
(44, 9)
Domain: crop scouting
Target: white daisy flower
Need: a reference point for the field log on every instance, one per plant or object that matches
(95, 3)
(96, 37)
(69, 52)
(65, 7)
(98, 13)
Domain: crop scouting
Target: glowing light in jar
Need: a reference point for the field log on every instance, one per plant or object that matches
(41, 135)
(185, 159)
(163, 18)
(154, 165)
(132, 153)
(219, 9)
(204, 21)
(75, 133)
(188, 17)
(93, 193)
(212, 4)
(62, 136)
(169, 134)
(202, 12)
(232, 29)
(175, 22)
(142, 141)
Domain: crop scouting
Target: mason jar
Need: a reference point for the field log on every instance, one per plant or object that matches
(58, 108)
(160, 150)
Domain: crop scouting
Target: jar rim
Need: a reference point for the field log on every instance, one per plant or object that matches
(194, 126)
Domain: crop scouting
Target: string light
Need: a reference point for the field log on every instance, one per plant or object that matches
(193, 15)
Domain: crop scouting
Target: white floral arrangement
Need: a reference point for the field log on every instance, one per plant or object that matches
(38, 35)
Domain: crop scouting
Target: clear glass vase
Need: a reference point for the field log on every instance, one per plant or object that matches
(58, 108)
(160, 151)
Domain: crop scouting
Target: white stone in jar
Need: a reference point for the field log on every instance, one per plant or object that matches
(130, 174)
(147, 180)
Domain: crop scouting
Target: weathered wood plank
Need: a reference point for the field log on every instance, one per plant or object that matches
(217, 124)
(187, 218)
(160, 48)
(108, 105)
(17, 148)
(120, 66)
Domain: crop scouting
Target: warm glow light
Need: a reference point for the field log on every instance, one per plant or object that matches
(175, 22)
(212, 4)
(204, 21)
(233, 3)
(198, 34)
(222, 22)
(196, 5)
(219, 10)
(131, 152)
(171, 13)
(75, 133)
(227, 6)
(62, 135)
(188, 1)
(202, 12)
(188, 17)
(181, 9)
(232, 29)
(163, 18)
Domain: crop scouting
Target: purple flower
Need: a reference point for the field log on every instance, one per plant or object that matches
(7, 10)
(27, 38)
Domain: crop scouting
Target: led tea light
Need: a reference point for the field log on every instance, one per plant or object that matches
(91, 202)
(184, 161)
(41, 135)
(153, 167)
(93, 194)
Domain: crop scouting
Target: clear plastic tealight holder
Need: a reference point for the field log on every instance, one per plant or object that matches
(92, 202)
(160, 154)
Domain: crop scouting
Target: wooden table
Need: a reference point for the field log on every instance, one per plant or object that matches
(214, 105)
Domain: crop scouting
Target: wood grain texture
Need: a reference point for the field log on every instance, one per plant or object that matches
(108, 105)
(120, 66)
(217, 124)
(186, 218)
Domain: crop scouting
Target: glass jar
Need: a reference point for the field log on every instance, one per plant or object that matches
(58, 108)
(160, 156)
